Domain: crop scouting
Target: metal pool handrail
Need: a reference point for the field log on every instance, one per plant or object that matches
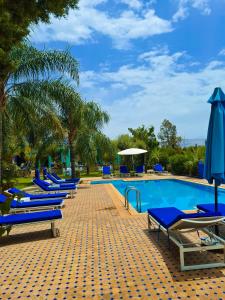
(138, 197)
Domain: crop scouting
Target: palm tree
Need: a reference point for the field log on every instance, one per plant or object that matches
(32, 66)
(76, 115)
(91, 145)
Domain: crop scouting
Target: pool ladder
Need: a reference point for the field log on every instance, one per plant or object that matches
(138, 197)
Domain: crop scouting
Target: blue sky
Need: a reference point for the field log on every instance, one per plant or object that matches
(145, 61)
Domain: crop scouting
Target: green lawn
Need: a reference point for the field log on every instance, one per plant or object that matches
(92, 174)
(23, 182)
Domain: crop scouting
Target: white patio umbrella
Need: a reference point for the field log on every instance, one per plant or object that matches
(132, 151)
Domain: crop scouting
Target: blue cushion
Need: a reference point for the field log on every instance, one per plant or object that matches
(158, 168)
(56, 176)
(139, 169)
(51, 188)
(17, 191)
(210, 207)
(167, 216)
(106, 170)
(69, 180)
(45, 196)
(27, 204)
(124, 169)
(56, 181)
(30, 217)
(73, 180)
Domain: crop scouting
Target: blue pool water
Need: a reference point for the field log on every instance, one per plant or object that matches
(168, 192)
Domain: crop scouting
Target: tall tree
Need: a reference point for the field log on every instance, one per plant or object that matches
(124, 141)
(15, 21)
(24, 83)
(168, 135)
(76, 115)
(148, 138)
(90, 138)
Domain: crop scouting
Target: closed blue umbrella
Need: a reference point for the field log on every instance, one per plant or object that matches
(215, 144)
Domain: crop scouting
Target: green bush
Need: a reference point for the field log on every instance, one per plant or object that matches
(181, 164)
(178, 164)
(10, 172)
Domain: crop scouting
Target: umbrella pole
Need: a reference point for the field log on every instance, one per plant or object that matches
(216, 197)
(216, 206)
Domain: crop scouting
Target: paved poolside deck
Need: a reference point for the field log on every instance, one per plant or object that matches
(103, 252)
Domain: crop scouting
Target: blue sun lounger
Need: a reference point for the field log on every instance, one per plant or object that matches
(8, 221)
(32, 205)
(62, 184)
(124, 171)
(139, 171)
(210, 207)
(158, 169)
(171, 221)
(48, 196)
(45, 186)
(36, 205)
(106, 172)
(69, 180)
(59, 180)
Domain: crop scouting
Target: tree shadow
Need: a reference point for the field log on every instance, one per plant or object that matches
(171, 257)
(25, 237)
(106, 208)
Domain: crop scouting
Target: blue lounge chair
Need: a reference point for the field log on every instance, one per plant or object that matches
(32, 205)
(171, 221)
(106, 172)
(36, 205)
(68, 180)
(45, 186)
(158, 168)
(200, 169)
(37, 176)
(139, 170)
(210, 207)
(14, 191)
(56, 181)
(124, 171)
(8, 221)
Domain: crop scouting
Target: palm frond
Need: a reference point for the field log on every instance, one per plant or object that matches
(32, 63)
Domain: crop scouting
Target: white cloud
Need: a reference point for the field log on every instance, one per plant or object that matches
(222, 52)
(184, 7)
(160, 86)
(81, 25)
(136, 4)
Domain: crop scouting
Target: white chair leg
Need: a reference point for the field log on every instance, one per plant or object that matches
(55, 231)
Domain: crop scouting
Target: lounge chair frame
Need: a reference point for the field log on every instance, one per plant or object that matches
(36, 208)
(174, 235)
(55, 231)
(36, 192)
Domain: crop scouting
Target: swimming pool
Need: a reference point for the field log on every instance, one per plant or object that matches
(168, 192)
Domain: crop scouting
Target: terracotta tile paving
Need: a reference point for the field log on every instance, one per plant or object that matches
(103, 252)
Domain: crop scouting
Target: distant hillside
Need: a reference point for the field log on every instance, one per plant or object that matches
(192, 142)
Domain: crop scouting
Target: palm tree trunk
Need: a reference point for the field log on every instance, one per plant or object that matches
(1, 142)
(72, 156)
(2, 106)
(88, 169)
